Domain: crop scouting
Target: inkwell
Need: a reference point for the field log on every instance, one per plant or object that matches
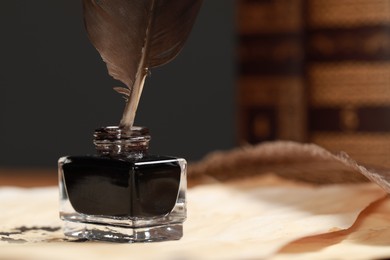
(124, 194)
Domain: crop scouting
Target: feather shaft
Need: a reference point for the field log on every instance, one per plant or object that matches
(133, 36)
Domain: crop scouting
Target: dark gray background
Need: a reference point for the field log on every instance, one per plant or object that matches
(55, 89)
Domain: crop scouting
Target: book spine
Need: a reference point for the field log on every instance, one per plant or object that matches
(348, 77)
(271, 87)
(316, 71)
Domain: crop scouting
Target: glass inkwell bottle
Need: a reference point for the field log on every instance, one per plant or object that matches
(123, 194)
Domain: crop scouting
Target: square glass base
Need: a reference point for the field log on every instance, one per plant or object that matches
(113, 200)
(123, 234)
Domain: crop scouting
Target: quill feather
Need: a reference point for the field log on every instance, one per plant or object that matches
(133, 36)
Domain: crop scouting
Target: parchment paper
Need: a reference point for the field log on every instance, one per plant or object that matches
(304, 162)
(250, 219)
(251, 215)
(368, 238)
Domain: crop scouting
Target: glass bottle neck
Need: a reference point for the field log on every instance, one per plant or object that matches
(115, 142)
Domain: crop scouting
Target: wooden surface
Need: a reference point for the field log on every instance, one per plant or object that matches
(28, 177)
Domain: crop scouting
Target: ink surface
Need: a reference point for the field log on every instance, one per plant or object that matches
(140, 188)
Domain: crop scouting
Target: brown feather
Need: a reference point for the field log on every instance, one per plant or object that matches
(133, 36)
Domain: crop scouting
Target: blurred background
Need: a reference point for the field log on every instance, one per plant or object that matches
(55, 89)
(316, 71)
(251, 71)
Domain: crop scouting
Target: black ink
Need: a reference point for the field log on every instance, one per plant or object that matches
(12, 240)
(146, 187)
(9, 233)
(24, 229)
